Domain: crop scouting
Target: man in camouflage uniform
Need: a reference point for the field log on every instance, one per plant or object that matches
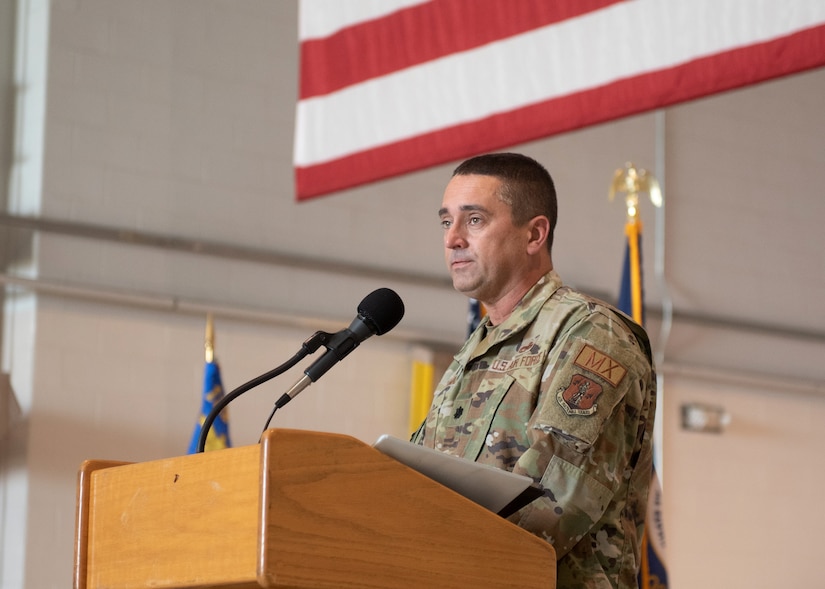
(553, 384)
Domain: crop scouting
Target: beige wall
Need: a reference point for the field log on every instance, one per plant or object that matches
(175, 119)
(742, 507)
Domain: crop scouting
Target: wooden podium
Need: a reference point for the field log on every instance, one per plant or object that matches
(300, 510)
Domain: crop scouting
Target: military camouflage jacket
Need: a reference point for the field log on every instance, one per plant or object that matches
(563, 391)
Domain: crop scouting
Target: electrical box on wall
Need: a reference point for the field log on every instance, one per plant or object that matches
(701, 417)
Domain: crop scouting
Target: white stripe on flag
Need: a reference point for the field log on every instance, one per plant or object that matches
(623, 40)
(321, 18)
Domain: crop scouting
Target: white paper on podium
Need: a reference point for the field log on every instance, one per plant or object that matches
(498, 490)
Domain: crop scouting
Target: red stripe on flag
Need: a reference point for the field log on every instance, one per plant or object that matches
(701, 77)
(451, 26)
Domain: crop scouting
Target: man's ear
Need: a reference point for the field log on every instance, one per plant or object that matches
(539, 228)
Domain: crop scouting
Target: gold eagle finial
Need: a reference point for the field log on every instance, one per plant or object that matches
(632, 181)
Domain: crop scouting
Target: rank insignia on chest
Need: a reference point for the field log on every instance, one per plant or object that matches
(579, 398)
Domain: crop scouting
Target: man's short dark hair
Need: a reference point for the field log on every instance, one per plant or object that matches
(526, 186)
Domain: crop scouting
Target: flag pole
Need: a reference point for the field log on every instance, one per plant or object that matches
(631, 182)
(209, 340)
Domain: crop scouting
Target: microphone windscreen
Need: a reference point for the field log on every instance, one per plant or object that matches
(382, 309)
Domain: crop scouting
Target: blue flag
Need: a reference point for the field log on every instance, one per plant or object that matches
(652, 572)
(475, 314)
(218, 436)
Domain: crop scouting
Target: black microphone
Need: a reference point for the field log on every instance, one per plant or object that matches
(379, 312)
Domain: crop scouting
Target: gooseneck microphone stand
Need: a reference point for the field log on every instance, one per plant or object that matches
(310, 346)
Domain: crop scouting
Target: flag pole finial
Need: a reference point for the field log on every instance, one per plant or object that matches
(209, 340)
(632, 181)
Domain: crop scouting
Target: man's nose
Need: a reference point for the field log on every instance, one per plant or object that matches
(454, 237)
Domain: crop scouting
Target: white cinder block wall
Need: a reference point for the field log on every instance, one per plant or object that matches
(175, 119)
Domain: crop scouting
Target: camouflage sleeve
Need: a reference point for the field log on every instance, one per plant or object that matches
(585, 427)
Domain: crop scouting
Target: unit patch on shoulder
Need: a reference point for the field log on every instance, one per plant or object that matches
(600, 364)
(579, 398)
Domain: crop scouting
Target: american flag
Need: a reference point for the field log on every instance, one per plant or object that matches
(392, 86)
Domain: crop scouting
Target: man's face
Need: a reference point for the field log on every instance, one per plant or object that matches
(485, 252)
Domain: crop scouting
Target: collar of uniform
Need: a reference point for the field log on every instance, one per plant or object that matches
(487, 336)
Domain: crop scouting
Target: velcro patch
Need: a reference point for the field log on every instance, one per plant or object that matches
(600, 364)
(579, 398)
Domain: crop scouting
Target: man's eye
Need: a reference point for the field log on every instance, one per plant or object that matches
(474, 220)
(445, 224)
